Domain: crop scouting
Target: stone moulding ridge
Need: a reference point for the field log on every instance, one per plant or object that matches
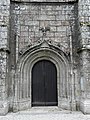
(85, 24)
(45, 1)
(4, 50)
(83, 47)
(49, 44)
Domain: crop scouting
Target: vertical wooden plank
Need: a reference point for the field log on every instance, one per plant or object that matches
(51, 84)
(44, 84)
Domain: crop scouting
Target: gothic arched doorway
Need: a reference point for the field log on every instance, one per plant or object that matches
(44, 84)
(57, 72)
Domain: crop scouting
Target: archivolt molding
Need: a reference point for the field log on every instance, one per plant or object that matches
(42, 51)
(44, 43)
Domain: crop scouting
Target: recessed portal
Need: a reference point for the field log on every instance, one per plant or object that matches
(44, 84)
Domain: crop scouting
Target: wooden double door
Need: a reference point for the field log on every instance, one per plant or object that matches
(44, 84)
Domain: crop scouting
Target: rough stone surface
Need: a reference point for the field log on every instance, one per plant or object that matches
(45, 114)
(22, 33)
(4, 25)
(84, 20)
(44, 0)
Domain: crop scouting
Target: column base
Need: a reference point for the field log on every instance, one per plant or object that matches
(21, 105)
(73, 105)
(85, 106)
(4, 107)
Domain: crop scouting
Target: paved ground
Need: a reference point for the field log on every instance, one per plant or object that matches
(45, 114)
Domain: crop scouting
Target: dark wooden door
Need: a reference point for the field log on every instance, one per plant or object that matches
(44, 84)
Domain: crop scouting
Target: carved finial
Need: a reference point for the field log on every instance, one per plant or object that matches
(44, 30)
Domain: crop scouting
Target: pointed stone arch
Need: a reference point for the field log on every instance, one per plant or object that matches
(44, 50)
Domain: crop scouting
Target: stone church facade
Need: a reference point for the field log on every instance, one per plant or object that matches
(44, 40)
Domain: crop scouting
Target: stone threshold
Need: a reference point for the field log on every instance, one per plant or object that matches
(47, 110)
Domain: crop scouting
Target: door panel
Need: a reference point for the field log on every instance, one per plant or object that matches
(44, 84)
(38, 85)
(50, 84)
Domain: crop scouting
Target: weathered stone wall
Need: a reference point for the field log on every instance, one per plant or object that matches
(29, 18)
(61, 18)
(84, 52)
(4, 23)
(44, 0)
(84, 19)
(21, 28)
